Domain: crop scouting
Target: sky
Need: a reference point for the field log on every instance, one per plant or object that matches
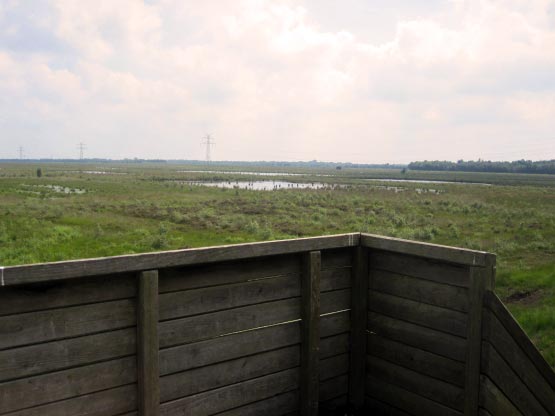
(383, 81)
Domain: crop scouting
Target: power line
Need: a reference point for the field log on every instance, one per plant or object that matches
(209, 142)
(81, 147)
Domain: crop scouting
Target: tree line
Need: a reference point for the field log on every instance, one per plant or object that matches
(517, 166)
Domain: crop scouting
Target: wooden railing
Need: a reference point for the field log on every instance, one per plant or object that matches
(276, 328)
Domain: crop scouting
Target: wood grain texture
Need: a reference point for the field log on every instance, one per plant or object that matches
(58, 294)
(106, 403)
(405, 400)
(58, 355)
(52, 324)
(359, 308)
(225, 373)
(427, 339)
(494, 400)
(147, 344)
(501, 373)
(494, 304)
(61, 385)
(433, 251)
(233, 396)
(310, 332)
(520, 363)
(430, 316)
(282, 404)
(15, 275)
(420, 290)
(416, 383)
(377, 407)
(481, 280)
(421, 268)
(417, 360)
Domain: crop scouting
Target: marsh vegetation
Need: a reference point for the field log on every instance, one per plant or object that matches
(72, 211)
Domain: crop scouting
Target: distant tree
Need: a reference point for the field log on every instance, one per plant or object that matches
(404, 171)
(39, 172)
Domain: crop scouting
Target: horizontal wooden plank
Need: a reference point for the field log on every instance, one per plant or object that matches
(439, 391)
(206, 275)
(40, 296)
(494, 400)
(421, 267)
(334, 366)
(194, 302)
(196, 328)
(104, 403)
(495, 304)
(405, 400)
(60, 385)
(15, 275)
(430, 316)
(334, 345)
(240, 344)
(500, 372)
(432, 251)
(201, 379)
(430, 340)
(58, 355)
(425, 291)
(334, 406)
(279, 405)
(416, 359)
(233, 396)
(519, 362)
(380, 408)
(34, 327)
(334, 387)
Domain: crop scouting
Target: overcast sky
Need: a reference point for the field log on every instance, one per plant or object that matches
(349, 80)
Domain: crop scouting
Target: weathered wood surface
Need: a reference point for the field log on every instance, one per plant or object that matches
(497, 336)
(494, 304)
(60, 294)
(421, 267)
(232, 396)
(427, 339)
(416, 359)
(61, 385)
(481, 280)
(412, 381)
(228, 272)
(15, 275)
(378, 407)
(431, 251)
(200, 327)
(494, 400)
(501, 373)
(405, 400)
(430, 316)
(359, 308)
(282, 404)
(147, 344)
(34, 327)
(421, 290)
(107, 402)
(310, 332)
(63, 354)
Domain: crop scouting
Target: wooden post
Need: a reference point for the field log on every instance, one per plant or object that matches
(147, 344)
(310, 333)
(359, 318)
(481, 280)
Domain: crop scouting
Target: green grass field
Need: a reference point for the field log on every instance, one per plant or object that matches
(148, 207)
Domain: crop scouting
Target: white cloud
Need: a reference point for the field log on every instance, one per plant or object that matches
(271, 81)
